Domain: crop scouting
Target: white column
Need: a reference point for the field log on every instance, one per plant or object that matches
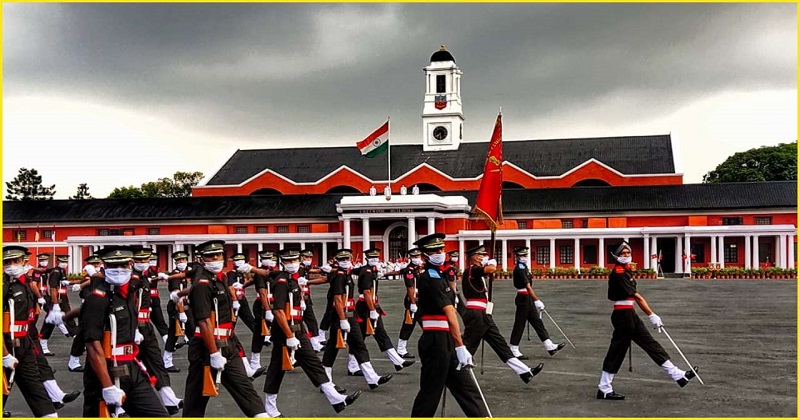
(721, 252)
(714, 249)
(646, 256)
(324, 253)
(260, 247)
(365, 234)
(239, 247)
(577, 254)
(688, 250)
(756, 261)
(346, 233)
(678, 254)
(654, 251)
(601, 252)
(170, 262)
(791, 251)
(504, 257)
(781, 259)
(531, 254)
(339, 244)
(302, 245)
(431, 225)
(748, 256)
(552, 253)
(461, 256)
(412, 232)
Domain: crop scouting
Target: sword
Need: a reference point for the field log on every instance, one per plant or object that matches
(112, 323)
(474, 379)
(13, 347)
(559, 328)
(664, 330)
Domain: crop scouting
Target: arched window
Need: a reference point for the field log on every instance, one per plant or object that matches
(398, 242)
(591, 183)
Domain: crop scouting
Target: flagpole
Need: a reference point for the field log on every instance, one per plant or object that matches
(389, 155)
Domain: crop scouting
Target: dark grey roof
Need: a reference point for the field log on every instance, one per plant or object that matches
(628, 155)
(442, 55)
(729, 196)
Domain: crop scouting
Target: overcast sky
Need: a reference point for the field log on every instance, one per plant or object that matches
(121, 94)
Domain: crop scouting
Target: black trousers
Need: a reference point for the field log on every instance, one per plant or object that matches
(305, 356)
(27, 376)
(150, 355)
(526, 312)
(629, 327)
(188, 327)
(258, 339)
(480, 326)
(310, 319)
(407, 329)
(325, 324)
(72, 325)
(380, 336)
(439, 362)
(140, 398)
(78, 343)
(355, 343)
(45, 371)
(157, 316)
(234, 379)
(246, 316)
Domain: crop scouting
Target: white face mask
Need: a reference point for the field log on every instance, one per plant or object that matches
(624, 260)
(43, 263)
(62, 265)
(14, 270)
(181, 266)
(141, 266)
(436, 259)
(118, 276)
(307, 263)
(523, 260)
(238, 263)
(214, 266)
(270, 263)
(153, 263)
(454, 259)
(417, 261)
(484, 260)
(292, 267)
(374, 261)
(345, 264)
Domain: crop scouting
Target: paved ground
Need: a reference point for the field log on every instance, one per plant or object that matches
(742, 334)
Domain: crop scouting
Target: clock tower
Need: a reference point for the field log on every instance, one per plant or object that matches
(442, 119)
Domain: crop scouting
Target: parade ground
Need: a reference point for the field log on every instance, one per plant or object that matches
(741, 333)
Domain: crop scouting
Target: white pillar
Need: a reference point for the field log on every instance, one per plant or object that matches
(721, 252)
(504, 251)
(577, 254)
(412, 232)
(365, 234)
(431, 225)
(714, 249)
(791, 251)
(679, 254)
(260, 247)
(781, 259)
(654, 251)
(756, 256)
(239, 247)
(170, 262)
(339, 244)
(346, 233)
(601, 252)
(646, 256)
(688, 250)
(461, 256)
(324, 253)
(552, 253)
(531, 255)
(748, 256)
(302, 245)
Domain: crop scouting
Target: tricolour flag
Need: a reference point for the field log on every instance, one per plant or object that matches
(376, 143)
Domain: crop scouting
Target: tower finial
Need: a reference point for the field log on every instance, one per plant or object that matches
(441, 48)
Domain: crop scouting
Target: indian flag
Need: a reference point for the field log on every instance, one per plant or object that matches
(376, 143)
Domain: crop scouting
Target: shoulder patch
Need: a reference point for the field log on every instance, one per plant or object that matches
(203, 281)
(99, 292)
(522, 266)
(619, 269)
(410, 275)
(434, 274)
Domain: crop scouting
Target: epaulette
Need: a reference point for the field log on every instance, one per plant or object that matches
(368, 270)
(281, 281)
(619, 269)
(99, 293)
(203, 281)
(434, 274)
(340, 272)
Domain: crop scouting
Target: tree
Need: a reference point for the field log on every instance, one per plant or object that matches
(180, 185)
(28, 186)
(766, 163)
(82, 193)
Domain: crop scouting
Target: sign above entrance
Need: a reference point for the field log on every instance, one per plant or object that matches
(403, 204)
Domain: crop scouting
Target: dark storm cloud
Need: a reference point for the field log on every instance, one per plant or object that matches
(318, 72)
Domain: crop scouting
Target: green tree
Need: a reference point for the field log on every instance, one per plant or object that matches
(27, 185)
(82, 193)
(766, 163)
(180, 185)
(126, 192)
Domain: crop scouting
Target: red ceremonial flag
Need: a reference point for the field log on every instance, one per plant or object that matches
(489, 204)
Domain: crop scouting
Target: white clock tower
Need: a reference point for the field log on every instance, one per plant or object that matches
(442, 118)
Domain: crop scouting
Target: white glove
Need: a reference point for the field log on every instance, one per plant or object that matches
(373, 315)
(492, 262)
(237, 286)
(656, 320)
(173, 296)
(55, 317)
(326, 268)
(539, 305)
(217, 361)
(90, 270)
(344, 325)
(9, 361)
(41, 301)
(244, 268)
(75, 288)
(413, 308)
(456, 299)
(464, 358)
(302, 305)
(269, 316)
(236, 305)
(163, 276)
(182, 317)
(138, 337)
(113, 396)
(302, 281)
(65, 282)
(293, 343)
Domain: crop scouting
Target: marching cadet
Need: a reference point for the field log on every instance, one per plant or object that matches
(368, 310)
(528, 307)
(410, 276)
(629, 327)
(57, 285)
(150, 353)
(262, 307)
(328, 270)
(342, 319)
(289, 336)
(149, 271)
(478, 322)
(309, 318)
(450, 269)
(237, 283)
(214, 343)
(176, 311)
(445, 359)
(84, 288)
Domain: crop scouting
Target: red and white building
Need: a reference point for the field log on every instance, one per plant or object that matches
(569, 200)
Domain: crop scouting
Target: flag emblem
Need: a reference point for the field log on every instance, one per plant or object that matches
(440, 101)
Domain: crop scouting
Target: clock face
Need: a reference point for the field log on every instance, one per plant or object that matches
(440, 133)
